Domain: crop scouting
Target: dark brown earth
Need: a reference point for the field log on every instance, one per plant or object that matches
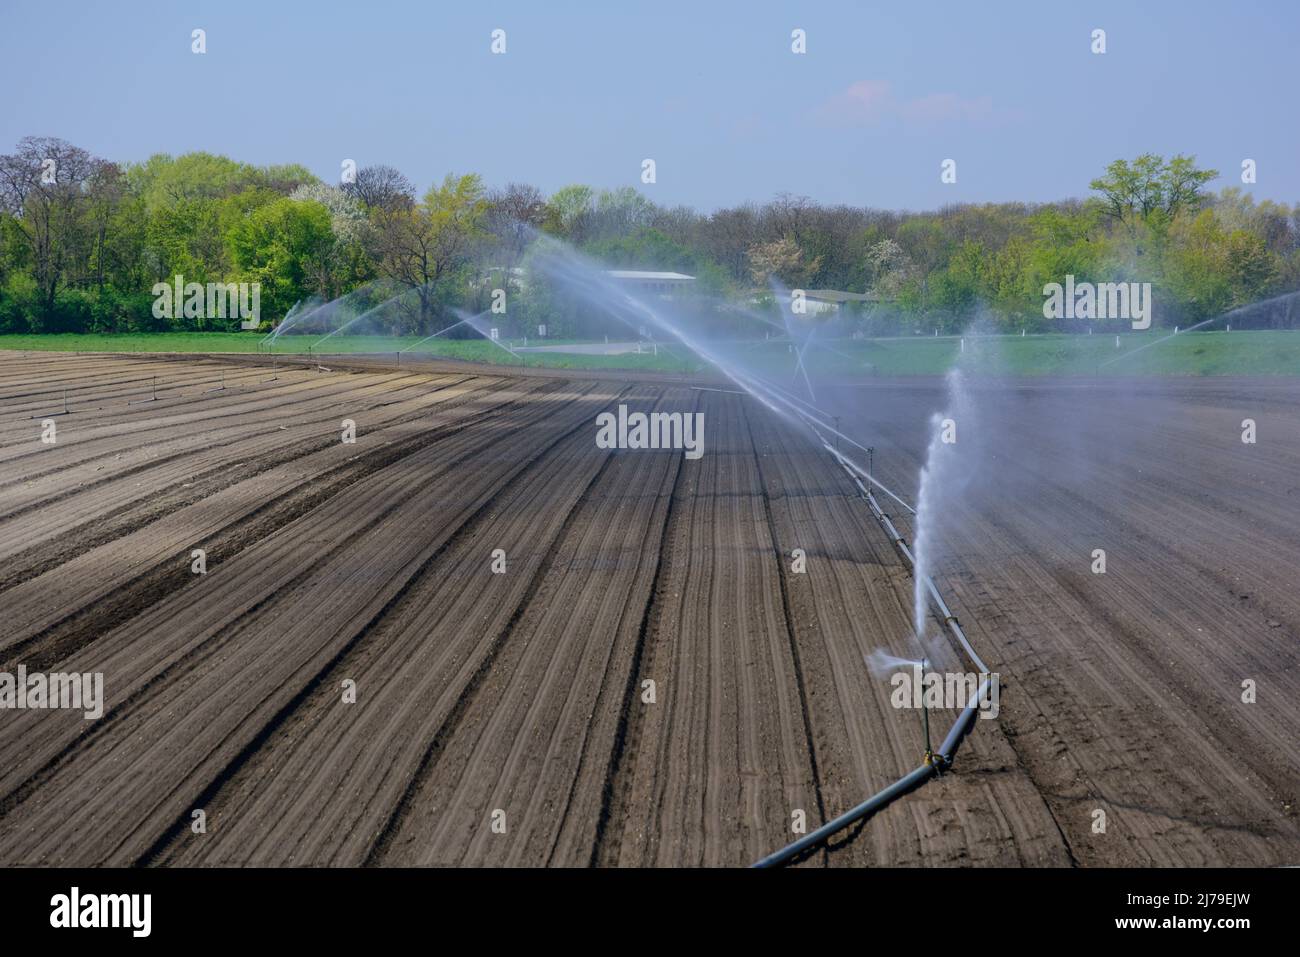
(520, 697)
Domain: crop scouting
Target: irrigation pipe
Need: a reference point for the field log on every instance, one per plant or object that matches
(933, 764)
(931, 767)
(793, 401)
(856, 473)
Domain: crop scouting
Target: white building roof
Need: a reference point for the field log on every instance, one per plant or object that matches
(837, 295)
(648, 276)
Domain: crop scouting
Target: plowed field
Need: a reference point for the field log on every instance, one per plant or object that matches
(473, 637)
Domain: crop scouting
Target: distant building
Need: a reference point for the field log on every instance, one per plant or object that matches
(490, 274)
(659, 283)
(821, 301)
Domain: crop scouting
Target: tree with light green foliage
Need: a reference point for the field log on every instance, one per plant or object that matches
(1151, 191)
(164, 180)
(568, 211)
(423, 247)
(345, 263)
(82, 253)
(273, 246)
(1211, 269)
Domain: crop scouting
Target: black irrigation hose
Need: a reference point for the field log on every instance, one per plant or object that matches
(933, 764)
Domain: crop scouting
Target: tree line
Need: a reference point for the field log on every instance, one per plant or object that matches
(84, 240)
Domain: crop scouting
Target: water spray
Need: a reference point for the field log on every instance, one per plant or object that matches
(933, 762)
(365, 315)
(473, 324)
(461, 322)
(1205, 322)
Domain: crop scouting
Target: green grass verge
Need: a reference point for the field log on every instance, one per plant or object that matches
(1149, 353)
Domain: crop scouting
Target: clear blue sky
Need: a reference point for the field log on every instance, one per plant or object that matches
(710, 90)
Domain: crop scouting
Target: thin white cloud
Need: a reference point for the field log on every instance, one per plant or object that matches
(869, 102)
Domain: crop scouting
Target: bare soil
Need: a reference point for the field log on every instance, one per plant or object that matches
(506, 718)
